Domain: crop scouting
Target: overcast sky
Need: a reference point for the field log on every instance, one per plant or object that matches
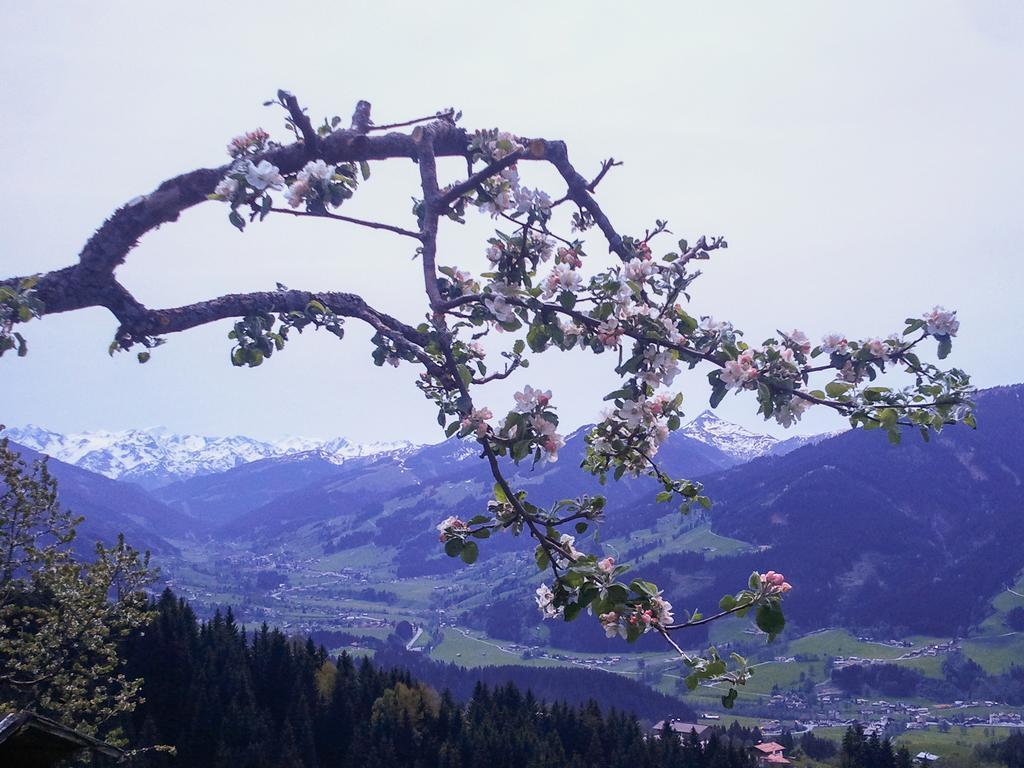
(864, 159)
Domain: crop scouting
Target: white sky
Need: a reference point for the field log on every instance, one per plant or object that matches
(864, 159)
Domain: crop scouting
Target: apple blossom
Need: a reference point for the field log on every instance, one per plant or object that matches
(316, 170)
(610, 623)
(799, 340)
(834, 344)
(251, 141)
(263, 176)
(942, 322)
(227, 187)
(790, 413)
(638, 270)
(609, 332)
(561, 278)
(451, 527)
(530, 399)
(546, 602)
(500, 308)
(296, 193)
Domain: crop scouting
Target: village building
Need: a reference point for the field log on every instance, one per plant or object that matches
(769, 753)
(682, 729)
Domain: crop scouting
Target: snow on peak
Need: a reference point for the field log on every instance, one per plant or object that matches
(729, 438)
(155, 456)
(741, 443)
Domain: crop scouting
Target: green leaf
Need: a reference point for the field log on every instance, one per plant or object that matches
(541, 558)
(837, 388)
(499, 494)
(453, 547)
(364, 169)
(470, 552)
(769, 619)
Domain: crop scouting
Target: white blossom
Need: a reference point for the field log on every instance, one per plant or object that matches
(316, 169)
(263, 176)
(226, 188)
(739, 372)
(501, 309)
(545, 602)
(834, 344)
(530, 399)
(942, 322)
(638, 270)
(791, 412)
(296, 193)
(561, 278)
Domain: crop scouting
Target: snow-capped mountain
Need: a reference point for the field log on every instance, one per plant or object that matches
(738, 442)
(156, 457)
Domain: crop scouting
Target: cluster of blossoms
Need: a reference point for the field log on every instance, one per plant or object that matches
(451, 528)
(941, 322)
(504, 194)
(531, 427)
(546, 603)
(476, 423)
(629, 436)
(562, 278)
(834, 344)
(500, 192)
(248, 143)
(257, 177)
(311, 178)
(775, 583)
(790, 412)
(739, 373)
(658, 613)
(499, 307)
(495, 145)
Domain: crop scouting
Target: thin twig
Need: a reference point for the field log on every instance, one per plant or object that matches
(350, 220)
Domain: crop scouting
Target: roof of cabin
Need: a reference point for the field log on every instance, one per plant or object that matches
(36, 740)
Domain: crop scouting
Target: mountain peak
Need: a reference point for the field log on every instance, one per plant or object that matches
(732, 439)
(156, 456)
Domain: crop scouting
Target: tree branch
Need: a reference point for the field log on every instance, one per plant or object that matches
(350, 220)
(301, 121)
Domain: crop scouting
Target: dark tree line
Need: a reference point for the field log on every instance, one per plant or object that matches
(962, 678)
(225, 697)
(860, 751)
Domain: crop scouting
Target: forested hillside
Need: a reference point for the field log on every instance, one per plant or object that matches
(225, 698)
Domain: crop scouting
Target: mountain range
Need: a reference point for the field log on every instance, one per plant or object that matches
(156, 457)
(917, 537)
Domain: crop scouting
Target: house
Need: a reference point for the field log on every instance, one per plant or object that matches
(28, 740)
(682, 730)
(925, 758)
(769, 753)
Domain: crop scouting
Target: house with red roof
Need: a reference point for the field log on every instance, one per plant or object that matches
(769, 753)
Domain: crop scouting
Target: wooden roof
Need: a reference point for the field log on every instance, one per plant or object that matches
(34, 741)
